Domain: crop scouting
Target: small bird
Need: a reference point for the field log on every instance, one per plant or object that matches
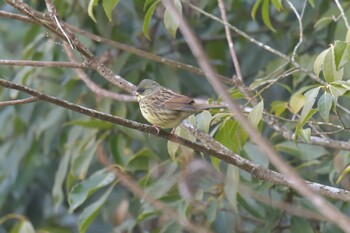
(164, 108)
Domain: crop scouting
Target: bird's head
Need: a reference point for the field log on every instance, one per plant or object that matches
(145, 88)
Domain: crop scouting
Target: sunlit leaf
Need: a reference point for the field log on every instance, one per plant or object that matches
(330, 72)
(26, 227)
(318, 64)
(266, 14)
(277, 4)
(147, 19)
(296, 102)
(91, 6)
(337, 90)
(255, 8)
(170, 23)
(256, 114)
(278, 107)
(203, 120)
(344, 172)
(305, 134)
(108, 6)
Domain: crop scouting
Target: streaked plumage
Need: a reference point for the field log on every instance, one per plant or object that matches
(164, 108)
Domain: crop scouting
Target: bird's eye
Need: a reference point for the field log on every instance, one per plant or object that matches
(140, 90)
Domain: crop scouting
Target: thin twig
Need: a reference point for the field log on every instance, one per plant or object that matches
(230, 42)
(61, 64)
(299, 17)
(53, 13)
(342, 14)
(21, 101)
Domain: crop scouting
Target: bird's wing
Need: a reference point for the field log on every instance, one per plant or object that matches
(174, 101)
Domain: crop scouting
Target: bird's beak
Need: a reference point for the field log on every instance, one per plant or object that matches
(135, 93)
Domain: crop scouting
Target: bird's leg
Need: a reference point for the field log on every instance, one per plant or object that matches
(156, 128)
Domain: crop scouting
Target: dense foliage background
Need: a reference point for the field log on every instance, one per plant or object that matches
(61, 171)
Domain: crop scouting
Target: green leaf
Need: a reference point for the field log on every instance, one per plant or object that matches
(302, 123)
(323, 22)
(341, 54)
(170, 23)
(108, 6)
(255, 8)
(277, 4)
(296, 102)
(256, 155)
(300, 225)
(203, 120)
(140, 161)
(231, 185)
(324, 106)
(312, 3)
(278, 107)
(310, 100)
(345, 171)
(330, 72)
(307, 111)
(90, 212)
(229, 135)
(147, 19)
(91, 6)
(57, 190)
(337, 90)
(81, 191)
(26, 227)
(318, 64)
(147, 3)
(256, 114)
(266, 14)
(347, 37)
(301, 150)
(212, 211)
(305, 134)
(215, 162)
(173, 147)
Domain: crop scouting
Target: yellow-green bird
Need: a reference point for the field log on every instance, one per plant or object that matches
(164, 108)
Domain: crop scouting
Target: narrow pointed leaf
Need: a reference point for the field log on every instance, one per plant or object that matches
(324, 106)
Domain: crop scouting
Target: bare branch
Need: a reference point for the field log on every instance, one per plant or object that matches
(299, 17)
(15, 102)
(60, 64)
(342, 13)
(230, 42)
